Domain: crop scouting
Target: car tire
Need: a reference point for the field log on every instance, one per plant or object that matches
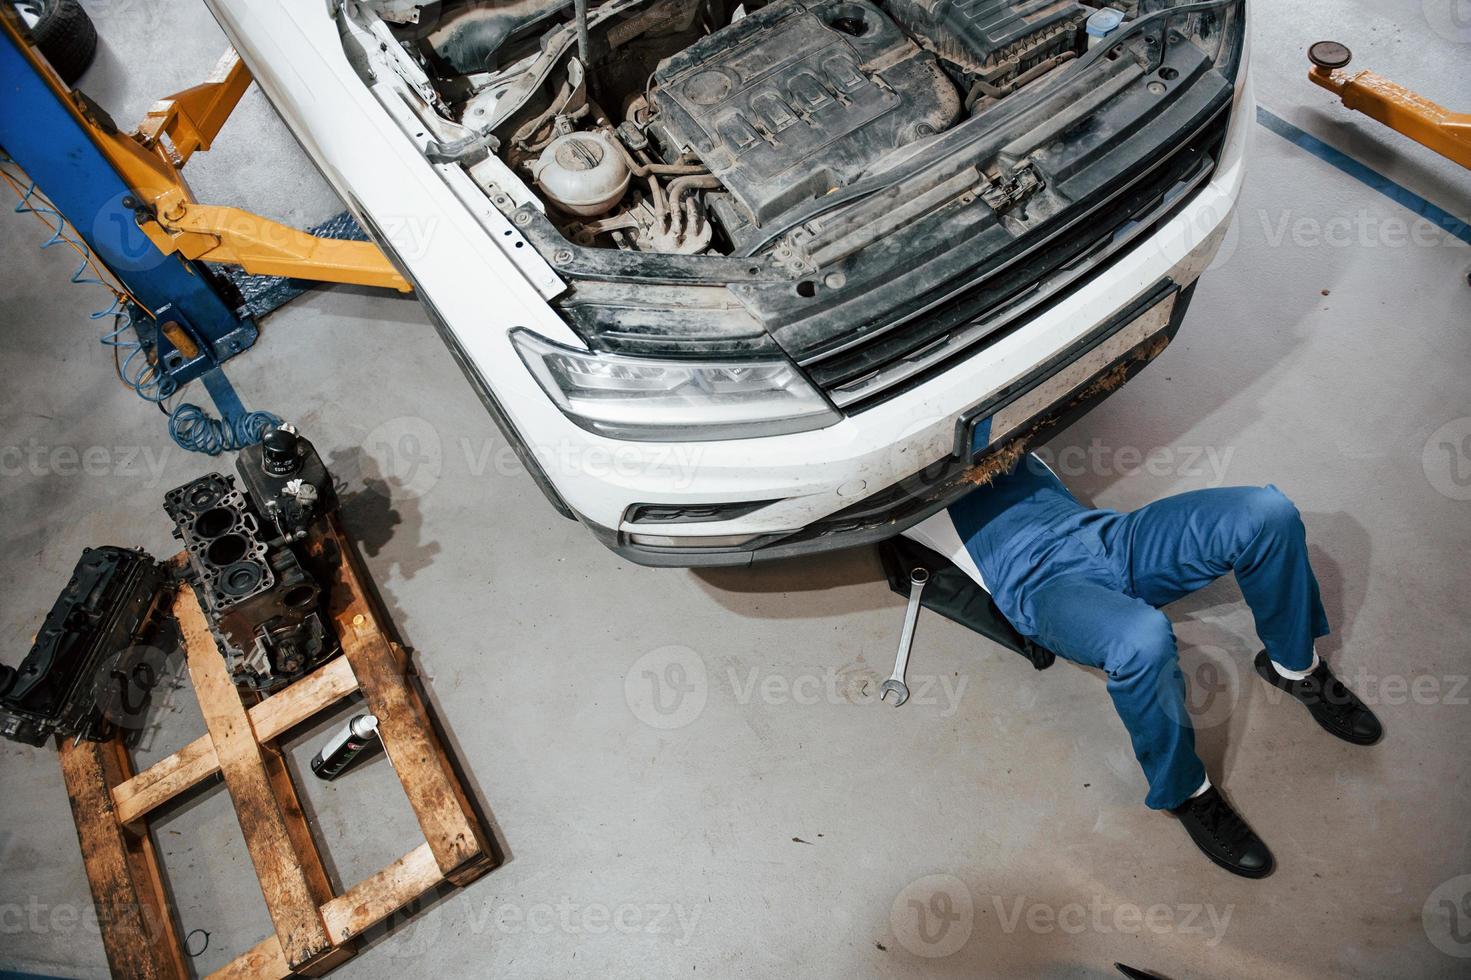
(63, 32)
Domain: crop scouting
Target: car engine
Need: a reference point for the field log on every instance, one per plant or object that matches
(788, 103)
(262, 589)
(689, 126)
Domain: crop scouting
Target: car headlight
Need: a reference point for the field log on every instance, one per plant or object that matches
(659, 400)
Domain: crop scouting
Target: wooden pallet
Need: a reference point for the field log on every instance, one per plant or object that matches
(315, 929)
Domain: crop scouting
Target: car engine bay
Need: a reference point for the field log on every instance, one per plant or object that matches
(694, 126)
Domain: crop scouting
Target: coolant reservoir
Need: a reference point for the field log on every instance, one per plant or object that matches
(1101, 23)
(582, 173)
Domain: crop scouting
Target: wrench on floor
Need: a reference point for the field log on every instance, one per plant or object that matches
(895, 684)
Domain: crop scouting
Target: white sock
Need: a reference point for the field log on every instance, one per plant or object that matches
(1297, 675)
(1203, 787)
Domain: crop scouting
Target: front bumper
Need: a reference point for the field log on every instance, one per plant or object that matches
(851, 482)
(1097, 371)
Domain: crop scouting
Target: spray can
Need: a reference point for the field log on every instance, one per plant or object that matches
(343, 747)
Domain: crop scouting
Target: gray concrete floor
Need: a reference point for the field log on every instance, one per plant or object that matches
(778, 822)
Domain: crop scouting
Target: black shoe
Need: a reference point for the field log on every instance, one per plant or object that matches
(1331, 704)
(1223, 836)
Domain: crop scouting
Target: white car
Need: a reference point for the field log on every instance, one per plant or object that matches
(752, 281)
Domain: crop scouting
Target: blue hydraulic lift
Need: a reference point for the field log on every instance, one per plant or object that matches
(121, 194)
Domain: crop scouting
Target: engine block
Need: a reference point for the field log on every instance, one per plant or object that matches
(798, 99)
(256, 582)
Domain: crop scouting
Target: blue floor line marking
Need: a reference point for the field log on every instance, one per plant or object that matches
(223, 393)
(1365, 175)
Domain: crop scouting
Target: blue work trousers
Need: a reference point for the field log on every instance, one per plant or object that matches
(1089, 588)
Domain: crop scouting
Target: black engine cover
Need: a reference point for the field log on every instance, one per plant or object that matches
(984, 35)
(799, 99)
(96, 658)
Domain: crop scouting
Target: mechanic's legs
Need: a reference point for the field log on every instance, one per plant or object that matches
(1133, 644)
(1182, 543)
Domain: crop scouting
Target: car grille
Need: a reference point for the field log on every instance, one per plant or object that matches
(891, 361)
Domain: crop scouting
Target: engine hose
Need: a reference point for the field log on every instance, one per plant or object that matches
(684, 185)
(191, 427)
(146, 380)
(584, 41)
(196, 430)
(639, 169)
(656, 191)
(88, 273)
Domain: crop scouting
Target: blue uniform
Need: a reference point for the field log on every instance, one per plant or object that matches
(1087, 583)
